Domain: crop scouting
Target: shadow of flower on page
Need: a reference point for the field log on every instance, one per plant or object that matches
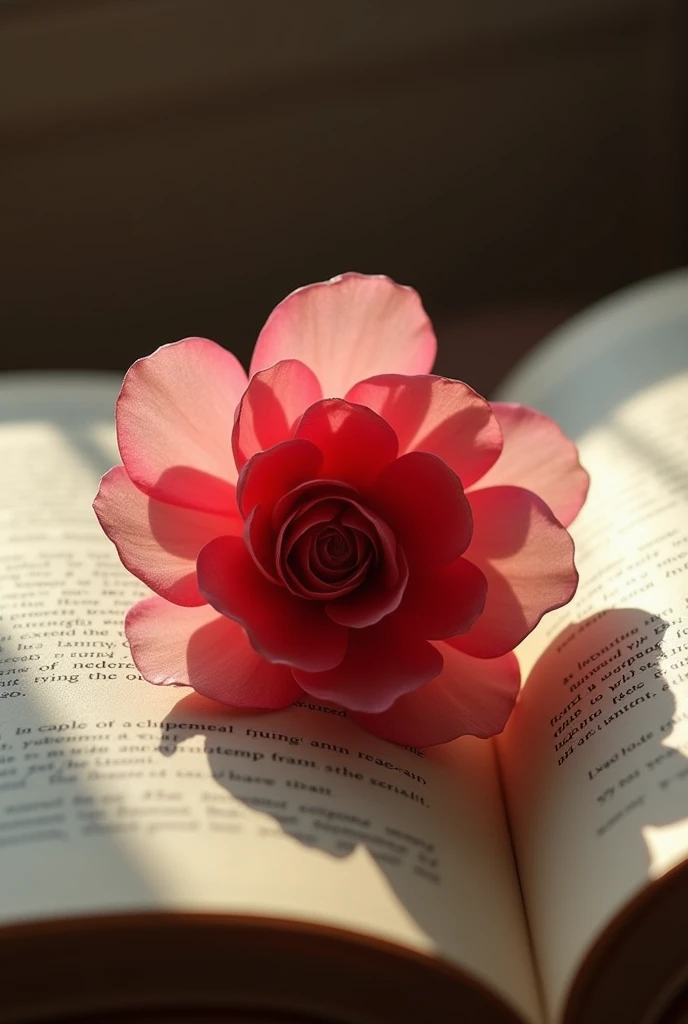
(319, 780)
(307, 767)
(616, 713)
(306, 754)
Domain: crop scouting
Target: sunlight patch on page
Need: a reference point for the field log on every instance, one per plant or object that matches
(666, 846)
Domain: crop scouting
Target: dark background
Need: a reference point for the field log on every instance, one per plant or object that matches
(175, 167)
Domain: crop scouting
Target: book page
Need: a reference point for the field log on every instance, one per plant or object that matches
(595, 757)
(117, 795)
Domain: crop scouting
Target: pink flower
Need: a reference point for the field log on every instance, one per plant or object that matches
(342, 523)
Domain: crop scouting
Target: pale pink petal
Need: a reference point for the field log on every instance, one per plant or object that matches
(285, 629)
(381, 663)
(271, 405)
(351, 327)
(538, 455)
(175, 414)
(437, 415)
(269, 475)
(197, 647)
(157, 542)
(527, 558)
(423, 501)
(355, 442)
(471, 696)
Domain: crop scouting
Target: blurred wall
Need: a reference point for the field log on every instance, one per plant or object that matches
(171, 168)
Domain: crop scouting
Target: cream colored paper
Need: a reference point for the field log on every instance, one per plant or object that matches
(116, 795)
(595, 757)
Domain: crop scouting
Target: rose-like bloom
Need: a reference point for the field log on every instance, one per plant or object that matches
(341, 523)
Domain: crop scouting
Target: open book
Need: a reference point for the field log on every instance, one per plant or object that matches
(159, 851)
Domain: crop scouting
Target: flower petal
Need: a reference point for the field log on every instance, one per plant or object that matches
(197, 647)
(373, 600)
(299, 538)
(444, 600)
(174, 422)
(471, 696)
(423, 501)
(261, 539)
(157, 542)
(307, 574)
(437, 415)
(539, 456)
(359, 517)
(284, 629)
(272, 403)
(269, 475)
(527, 558)
(351, 327)
(381, 663)
(355, 442)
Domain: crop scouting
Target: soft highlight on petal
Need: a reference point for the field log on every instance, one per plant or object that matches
(272, 404)
(381, 664)
(526, 556)
(283, 628)
(199, 648)
(157, 542)
(538, 455)
(351, 327)
(174, 415)
(470, 696)
(437, 415)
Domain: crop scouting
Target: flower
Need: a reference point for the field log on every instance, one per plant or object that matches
(341, 523)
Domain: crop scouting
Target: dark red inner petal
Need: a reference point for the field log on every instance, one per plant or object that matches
(260, 541)
(343, 431)
(319, 557)
(303, 496)
(305, 573)
(370, 525)
(322, 544)
(268, 475)
(424, 502)
(376, 600)
(337, 551)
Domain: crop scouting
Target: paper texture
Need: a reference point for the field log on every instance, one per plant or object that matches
(595, 757)
(116, 795)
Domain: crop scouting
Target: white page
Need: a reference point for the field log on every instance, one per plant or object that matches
(596, 754)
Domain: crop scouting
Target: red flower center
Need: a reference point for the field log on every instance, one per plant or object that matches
(325, 550)
(328, 546)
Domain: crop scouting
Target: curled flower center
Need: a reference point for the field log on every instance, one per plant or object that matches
(336, 549)
(325, 550)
